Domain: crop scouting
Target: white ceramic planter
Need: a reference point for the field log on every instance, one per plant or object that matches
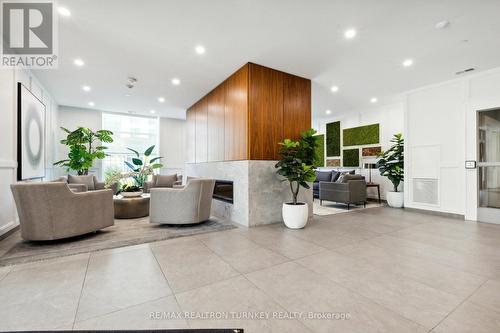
(295, 216)
(395, 199)
(131, 194)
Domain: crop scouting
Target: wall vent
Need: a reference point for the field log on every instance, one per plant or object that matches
(425, 190)
(465, 71)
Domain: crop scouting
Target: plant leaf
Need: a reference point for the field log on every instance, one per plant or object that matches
(149, 150)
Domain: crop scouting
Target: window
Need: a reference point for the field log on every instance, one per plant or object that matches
(134, 132)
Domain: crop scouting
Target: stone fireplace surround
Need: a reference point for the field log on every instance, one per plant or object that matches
(259, 192)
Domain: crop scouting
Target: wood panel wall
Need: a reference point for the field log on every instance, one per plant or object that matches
(247, 115)
(215, 125)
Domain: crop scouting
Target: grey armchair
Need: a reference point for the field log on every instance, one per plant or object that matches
(176, 180)
(351, 190)
(50, 210)
(188, 205)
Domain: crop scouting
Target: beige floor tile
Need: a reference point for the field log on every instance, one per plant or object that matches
(241, 253)
(120, 280)
(157, 314)
(236, 298)
(4, 271)
(49, 262)
(423, 270)
(189, 264)
(488, 296)
(278, 240)
(470, 318)
(44, 296)
(297, 288)
(413, 300)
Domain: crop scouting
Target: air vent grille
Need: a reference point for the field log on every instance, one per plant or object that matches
(465, 71)
(425, 190)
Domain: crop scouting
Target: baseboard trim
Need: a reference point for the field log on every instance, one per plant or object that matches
(8, 229)
(436, 213)
(8, 164)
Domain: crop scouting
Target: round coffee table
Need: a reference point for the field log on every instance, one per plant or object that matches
(131, 208)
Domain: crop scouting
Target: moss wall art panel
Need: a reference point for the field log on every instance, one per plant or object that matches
(350, 158)
(319, 154)
(333, 139)
(362, 135)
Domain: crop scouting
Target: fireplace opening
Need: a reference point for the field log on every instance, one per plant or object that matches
(223, 190)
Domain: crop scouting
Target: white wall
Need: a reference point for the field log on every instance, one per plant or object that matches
(391, 120)
(8, 137)
(172, 145)
(441, 132)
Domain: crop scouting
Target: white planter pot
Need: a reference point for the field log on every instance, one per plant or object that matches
(395, 199)
(131, 194)
(295, 216)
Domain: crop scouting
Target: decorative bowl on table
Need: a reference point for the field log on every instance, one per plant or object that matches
(131, 191)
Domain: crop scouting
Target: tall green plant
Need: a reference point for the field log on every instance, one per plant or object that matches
(296, 164)
(391, 162)
(84, 146)
(142, 168)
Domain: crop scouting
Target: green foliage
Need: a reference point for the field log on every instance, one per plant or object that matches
(297, 160)
(350, 158)
(143, 167)
(333, 139)
(319, 153)
(84, 146)
(391, 163)
(362, 135)
(130, 188)
(111, 173)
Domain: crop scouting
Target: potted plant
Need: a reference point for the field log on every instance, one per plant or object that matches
(84, 147)
(391, 165)
(296, 166)
(130, 191)
(145, 167)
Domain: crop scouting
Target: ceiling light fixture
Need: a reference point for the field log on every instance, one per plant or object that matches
(64, 11)
(86, 88)
(200, 49)
(334, 89)
(374, 100)
(176, 81)
(408, 62)
(91, 104)
(328, 111)
(161, 99)
(78, 62)
(350, 33)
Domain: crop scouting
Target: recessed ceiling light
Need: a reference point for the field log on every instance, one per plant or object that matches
(328, 111)
(176, 81)
(78, 62)
(91, 104)
(161, 99)
(334, 89)
(350, 33)
(442, 24)
(200, 49)
(64, 11)
(152, 111)
(408, 62)
(374, 100)
(86, 88)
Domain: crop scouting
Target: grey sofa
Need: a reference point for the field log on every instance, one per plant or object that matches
(50, 210)
(350, 189)
(155, 182)
(187, 205)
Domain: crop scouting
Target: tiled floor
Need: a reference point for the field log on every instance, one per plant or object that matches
(374, 270)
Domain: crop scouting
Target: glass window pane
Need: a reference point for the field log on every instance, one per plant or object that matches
(489, 187)
(489, 136)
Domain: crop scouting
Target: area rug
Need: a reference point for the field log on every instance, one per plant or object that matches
(13, 250)
(330, 208)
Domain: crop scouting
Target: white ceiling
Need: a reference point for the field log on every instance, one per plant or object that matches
(154, 41)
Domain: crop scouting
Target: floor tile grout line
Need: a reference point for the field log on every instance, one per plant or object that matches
(81, 291)
(361, 295)
(458, 306)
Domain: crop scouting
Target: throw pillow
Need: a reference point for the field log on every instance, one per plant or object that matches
(165, 180)
(335, 176)
(323, 176)
(86, 180)
(340, 178)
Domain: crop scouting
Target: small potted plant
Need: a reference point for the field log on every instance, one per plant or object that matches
(130, 191)
(297, 167)
(391, 165)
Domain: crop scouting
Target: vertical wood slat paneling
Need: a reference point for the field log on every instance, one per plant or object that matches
(201, 131)
(191, 135)
(215, 113)
(296, 106)
(236, 116)
(265, 112)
